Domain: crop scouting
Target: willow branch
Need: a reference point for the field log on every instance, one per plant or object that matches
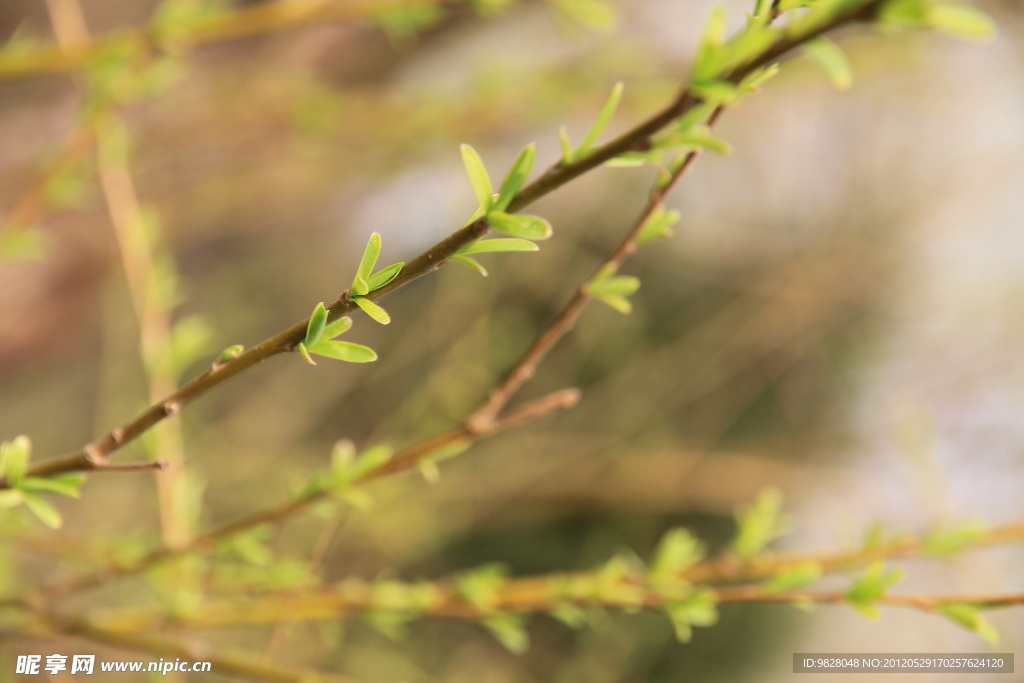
(239, 23)
(530, 595)
(434, 257)
(233, 664)
(730, 568)
(403, 461)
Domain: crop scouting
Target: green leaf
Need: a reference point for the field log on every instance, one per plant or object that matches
(700, 609)
(969, 616)
(566, 143)
(373, 310)
(63, 486)
(960, 20)
(697, 137)
(42, 509)
(832, 60)
(304, 351)
(346, 351)
(716, 92)
(488, 246)
(604, 117)
(14, 458)
(315, 326)
(339, 326)
(527, 227)
(509, 630)
(954, 539)
(870, 586)
(658, 225)
(613, 290)
(794, 577)
(623, 285)
(478, 177)
(516, 177)
(231, 353)
(385, 275)
(10, 498)
(759, 524)
(570, 615)
(752, 82)
(711, 41)
(469, 263)
(678, 551)
(360, 284)
(481, 586)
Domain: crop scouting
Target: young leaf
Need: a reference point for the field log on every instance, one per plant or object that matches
(384, 275)
(469, 263)
(604, 117)
(360, 284)
(793, 578)
(11, 498)
(759, 524)
(716, 92)
(969, 616)
(14, 459)
(527, 227)
(59, 485)
(231, 353)
(832, 60)
(339, 326)
(566, 143)
(961, 20)
(346, 351)
(304, 352)
(871, 586)
(711, 40)
(478, 177)
(951, 540)
(753, 81)
(657, 226)
(516, 177)
(509, 630)
(613, 290)
(679, 550)
(315, 326)
(42, 509)
(373, 310)
(488, 246)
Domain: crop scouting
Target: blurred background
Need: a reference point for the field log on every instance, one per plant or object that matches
(838, 316)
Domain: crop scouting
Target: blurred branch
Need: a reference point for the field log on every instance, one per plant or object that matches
(427, 262)
(730, 568)
(237, 23)
(533, 594)
(403, 461)
(237, 664)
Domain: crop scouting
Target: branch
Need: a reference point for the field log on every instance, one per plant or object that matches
(239, 23)
(528, 595)
(729, 568)
(236, 664)
(427, 262)
(403, 461)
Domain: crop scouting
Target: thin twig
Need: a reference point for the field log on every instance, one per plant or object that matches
(403, 461)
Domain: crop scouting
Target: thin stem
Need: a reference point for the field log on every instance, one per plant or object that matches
(238, 23)
(534, 594)
(236, 664)
(403, 461)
